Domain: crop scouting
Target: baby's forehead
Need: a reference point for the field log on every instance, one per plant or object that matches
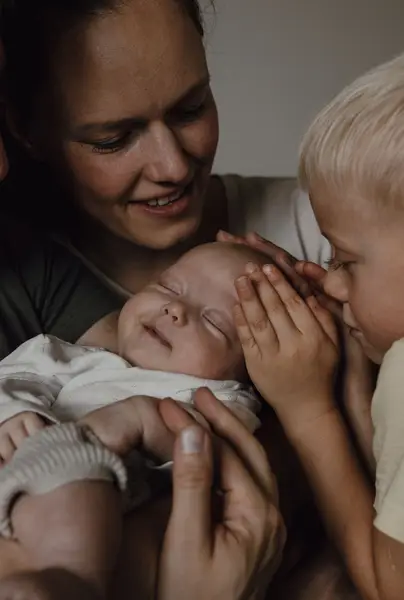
(219, 254)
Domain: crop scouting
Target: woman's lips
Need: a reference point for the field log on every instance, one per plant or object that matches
(172, 209)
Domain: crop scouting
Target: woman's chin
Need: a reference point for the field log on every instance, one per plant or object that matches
(168, 237)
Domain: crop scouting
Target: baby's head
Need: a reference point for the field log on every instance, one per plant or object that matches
(183, 323)
(352, 165)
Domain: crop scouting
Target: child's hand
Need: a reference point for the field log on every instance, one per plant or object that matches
(290, 346)
(14, 431)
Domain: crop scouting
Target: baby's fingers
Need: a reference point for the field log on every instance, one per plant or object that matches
(7, 448)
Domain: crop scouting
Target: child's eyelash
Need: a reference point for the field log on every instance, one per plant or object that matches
(334, 265)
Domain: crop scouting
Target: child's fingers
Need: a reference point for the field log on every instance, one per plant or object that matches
(299, 314)
(273, 308)
(254, 313)
(312, 271)
(245, 335)
(325, 319)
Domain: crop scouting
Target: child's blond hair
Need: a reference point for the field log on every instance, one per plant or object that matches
(356, 144)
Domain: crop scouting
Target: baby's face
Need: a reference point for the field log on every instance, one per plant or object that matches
(184, 323)
(367, 267)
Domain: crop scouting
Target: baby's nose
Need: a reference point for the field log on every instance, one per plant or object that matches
(177, 312)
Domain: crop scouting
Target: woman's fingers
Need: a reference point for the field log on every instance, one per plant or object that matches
(229, 428)
(190, 521)
(285, 261)
(225, 236)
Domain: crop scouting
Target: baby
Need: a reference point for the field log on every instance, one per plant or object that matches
(173, 337)
(352, 165)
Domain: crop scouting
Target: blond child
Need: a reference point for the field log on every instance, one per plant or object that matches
(351, 164)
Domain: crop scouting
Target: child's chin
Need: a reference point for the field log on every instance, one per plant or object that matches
(372, 353)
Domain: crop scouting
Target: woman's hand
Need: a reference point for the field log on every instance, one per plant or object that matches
(226, 552)
(285, 261)
(290, 345)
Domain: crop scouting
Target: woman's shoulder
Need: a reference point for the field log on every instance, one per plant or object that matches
(278, 210)
(45, 289)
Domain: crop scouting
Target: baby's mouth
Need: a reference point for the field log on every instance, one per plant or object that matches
(157, 335)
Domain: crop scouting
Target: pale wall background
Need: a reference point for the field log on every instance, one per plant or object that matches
(274, 63)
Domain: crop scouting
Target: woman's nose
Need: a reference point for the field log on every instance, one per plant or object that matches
(335, 285)
(177, 312)
(166, 160)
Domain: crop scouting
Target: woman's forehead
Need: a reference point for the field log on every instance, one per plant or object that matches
(139, 58)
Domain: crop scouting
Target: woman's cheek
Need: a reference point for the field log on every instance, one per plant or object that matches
(200, 139)
(104, 175)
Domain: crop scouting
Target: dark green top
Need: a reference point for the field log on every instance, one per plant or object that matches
(45, 289)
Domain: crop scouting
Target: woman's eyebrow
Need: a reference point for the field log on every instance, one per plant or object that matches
(81, 131)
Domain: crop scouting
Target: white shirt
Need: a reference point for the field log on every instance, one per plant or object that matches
(277, 210)
(64, 382)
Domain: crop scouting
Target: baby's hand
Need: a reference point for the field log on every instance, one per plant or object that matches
(14, 431)
(290, 345)
(131, 423)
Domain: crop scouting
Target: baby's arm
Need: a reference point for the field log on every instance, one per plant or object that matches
(15, 430)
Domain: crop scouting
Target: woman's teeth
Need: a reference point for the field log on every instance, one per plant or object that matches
(165, 201)
(159, 202)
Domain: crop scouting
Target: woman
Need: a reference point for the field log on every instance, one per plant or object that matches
(113, 101)
(113, 108)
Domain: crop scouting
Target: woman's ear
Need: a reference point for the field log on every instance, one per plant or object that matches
(17, 130)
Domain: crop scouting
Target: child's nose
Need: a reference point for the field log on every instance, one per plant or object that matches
(177, 312)
(335, 285)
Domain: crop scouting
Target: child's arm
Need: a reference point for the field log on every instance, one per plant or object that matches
(14, 431)
(357, 389)
(358, 378)
(291, 354)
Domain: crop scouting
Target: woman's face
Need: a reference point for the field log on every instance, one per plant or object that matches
(136, 124)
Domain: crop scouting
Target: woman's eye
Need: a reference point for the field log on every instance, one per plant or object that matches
(190, 113)
(112, 144)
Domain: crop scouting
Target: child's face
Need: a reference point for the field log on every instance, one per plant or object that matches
(367, 267)
(184, 323)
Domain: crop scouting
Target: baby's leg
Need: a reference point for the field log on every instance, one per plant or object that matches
(76, 527)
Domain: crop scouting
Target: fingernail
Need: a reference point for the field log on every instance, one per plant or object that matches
(271, 271)
(251, 267)
(192, 440)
